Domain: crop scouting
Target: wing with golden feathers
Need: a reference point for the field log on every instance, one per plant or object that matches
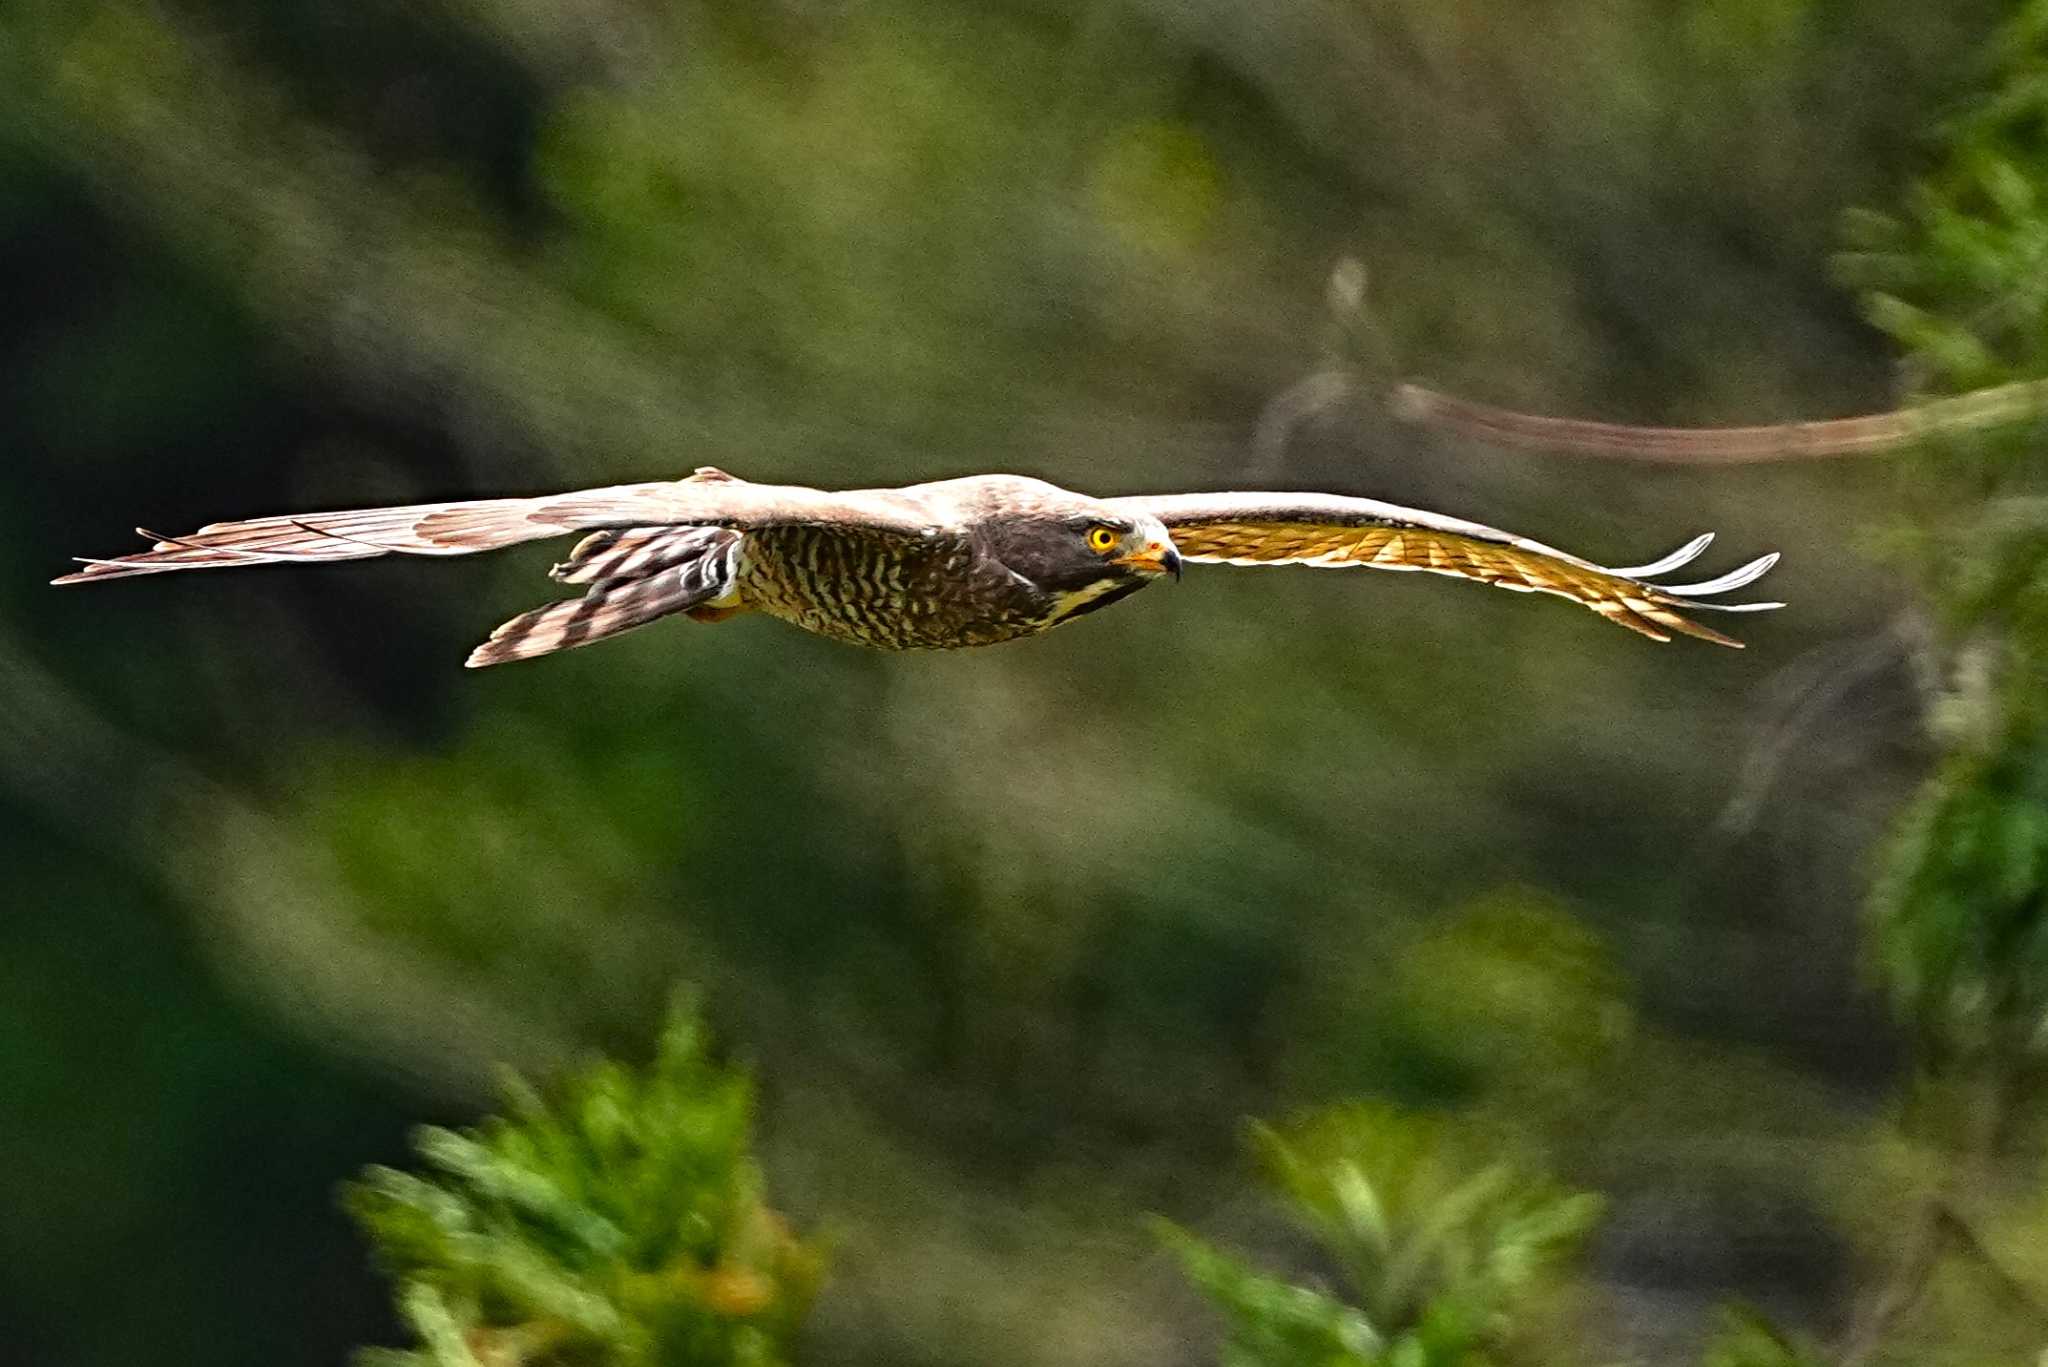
(707, 498)
(1333, 531)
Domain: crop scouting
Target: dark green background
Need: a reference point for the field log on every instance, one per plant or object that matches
(1017, 937)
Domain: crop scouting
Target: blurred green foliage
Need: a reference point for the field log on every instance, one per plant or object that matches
(1437, 1253)
(1749, 1340)
(1960, 279)
(620, 1222)
(1963, 904)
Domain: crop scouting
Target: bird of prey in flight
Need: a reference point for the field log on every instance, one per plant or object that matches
(959, 562)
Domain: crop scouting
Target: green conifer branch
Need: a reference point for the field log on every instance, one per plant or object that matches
(618, 1222)
(1438, 1254)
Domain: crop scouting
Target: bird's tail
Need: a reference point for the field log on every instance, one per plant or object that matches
(698, 571)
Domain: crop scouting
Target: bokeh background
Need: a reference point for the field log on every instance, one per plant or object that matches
(1016, 939)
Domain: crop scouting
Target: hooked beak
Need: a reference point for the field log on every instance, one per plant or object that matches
(1155, 557)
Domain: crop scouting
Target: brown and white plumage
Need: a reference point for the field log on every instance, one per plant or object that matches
(931, 566)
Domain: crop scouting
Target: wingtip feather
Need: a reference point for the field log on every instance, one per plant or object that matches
(1684, 555)
(1726, 583)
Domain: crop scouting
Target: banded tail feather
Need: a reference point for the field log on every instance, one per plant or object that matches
(703, 582)
(635, 552)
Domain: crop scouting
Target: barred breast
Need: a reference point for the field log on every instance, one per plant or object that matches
(886, 591)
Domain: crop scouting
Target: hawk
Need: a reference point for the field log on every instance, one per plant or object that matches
(959, 562)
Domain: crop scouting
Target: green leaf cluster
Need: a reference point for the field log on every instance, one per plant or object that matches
(1960, 278)
(1962, 906)
(619, 1223)
(1959, 275)
(1437, 1253)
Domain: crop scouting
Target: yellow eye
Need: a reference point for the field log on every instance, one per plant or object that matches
(1102, 540)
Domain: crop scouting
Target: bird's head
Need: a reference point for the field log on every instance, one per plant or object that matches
(1086, 558)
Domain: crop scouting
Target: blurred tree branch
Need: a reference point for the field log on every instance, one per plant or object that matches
(2010, 1288)
(1937, 1230)
(1870, 434)
(1357, 359)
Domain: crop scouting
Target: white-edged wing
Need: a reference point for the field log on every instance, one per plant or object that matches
(1333, 531)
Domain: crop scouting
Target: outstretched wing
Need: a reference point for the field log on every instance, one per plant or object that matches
(708, 498)
(1332, 531)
